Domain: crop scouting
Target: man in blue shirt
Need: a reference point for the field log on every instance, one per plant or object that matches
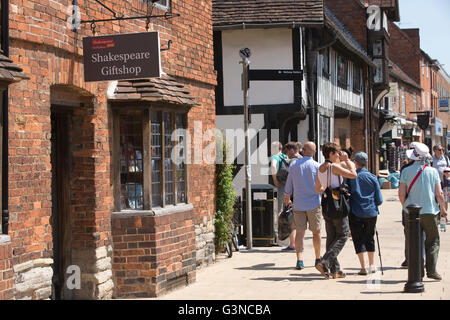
(424, 192)
(301, 182)
(364, 201)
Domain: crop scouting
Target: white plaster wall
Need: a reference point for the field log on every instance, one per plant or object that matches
(259, 158)
(271, 49)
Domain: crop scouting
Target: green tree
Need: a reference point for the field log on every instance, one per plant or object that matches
(225, 199)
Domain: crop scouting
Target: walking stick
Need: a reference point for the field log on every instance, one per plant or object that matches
(379, 251)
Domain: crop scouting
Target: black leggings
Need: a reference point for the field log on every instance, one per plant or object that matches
(363, 233)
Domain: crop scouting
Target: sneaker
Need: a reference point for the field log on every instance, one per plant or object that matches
(372, 269)
(404, 264)
(299, 265)
(288, 249)
(435, 276)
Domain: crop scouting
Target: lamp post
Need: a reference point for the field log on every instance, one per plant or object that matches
(245, 53)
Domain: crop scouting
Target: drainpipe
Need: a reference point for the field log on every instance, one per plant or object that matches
(5, 48)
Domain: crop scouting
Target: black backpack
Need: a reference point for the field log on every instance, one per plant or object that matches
(283, 172)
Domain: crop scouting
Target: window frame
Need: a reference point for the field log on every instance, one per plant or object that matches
(358, 69)
(117, 110)
(165, 7)
(326, 66)
(343, 83)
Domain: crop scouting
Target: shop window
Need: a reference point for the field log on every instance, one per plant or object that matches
(150, 176)
(342, 72)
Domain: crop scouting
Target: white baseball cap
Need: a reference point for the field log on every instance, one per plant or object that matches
(419, 150)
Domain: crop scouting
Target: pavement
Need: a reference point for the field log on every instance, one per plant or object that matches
(267, 273)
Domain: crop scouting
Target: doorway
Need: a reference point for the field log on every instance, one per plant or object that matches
(61, 219)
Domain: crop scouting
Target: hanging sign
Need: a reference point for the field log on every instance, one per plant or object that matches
(122, 57)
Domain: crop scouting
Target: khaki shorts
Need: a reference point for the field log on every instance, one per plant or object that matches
(311, 217)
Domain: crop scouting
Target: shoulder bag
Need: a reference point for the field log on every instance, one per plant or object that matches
(414, 180)
(335, 201)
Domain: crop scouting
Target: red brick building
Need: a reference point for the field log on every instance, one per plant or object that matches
(133, 222)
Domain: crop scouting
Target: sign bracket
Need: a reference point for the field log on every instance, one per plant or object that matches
(121, 17)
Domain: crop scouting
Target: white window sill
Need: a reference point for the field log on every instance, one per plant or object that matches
(182, 207)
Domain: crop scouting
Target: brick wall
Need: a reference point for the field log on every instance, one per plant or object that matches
(353, 15)
(153, 254)
(51, 54)
(6, 269)
(353, 130)
(404, 50)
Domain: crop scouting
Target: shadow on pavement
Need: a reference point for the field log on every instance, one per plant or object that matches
(378, 268)
(264, 251)
(264, 266)
(371, 281)
(377, 292)
(300, 277)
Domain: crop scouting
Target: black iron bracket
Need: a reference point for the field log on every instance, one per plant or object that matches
(121, 17)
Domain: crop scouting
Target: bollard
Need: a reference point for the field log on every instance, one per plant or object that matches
(414, 284)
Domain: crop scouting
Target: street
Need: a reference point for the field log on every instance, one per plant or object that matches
(266, 273)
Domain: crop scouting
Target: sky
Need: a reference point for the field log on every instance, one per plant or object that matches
(432, 17)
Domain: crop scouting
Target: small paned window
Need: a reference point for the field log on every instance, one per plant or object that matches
(342, 71)
(168, 164)
(357, 79)
(181, 154)
(156, 157)
(152, 171)
(131, 150)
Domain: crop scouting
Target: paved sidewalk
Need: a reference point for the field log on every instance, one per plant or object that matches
(267, 273)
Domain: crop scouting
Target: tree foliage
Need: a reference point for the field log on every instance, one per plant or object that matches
(225, 198)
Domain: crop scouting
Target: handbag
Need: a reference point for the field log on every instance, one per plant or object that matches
(335, 201)
(285, 226)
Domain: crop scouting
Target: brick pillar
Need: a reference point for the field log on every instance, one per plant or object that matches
(92, 203)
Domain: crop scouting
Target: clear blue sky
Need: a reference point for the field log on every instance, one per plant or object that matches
(432, 17)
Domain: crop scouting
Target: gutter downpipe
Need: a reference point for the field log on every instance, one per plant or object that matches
(5, 147)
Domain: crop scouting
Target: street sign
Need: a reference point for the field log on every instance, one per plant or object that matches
(121, 57)
(274, 75)
(407, 133)
(387, 137)
(443, 105)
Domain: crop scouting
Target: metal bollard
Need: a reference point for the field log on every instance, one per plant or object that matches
(414, 284)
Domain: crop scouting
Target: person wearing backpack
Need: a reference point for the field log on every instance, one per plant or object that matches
(420, 184)
(292, 151)
(440, 160)
(276, 163)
